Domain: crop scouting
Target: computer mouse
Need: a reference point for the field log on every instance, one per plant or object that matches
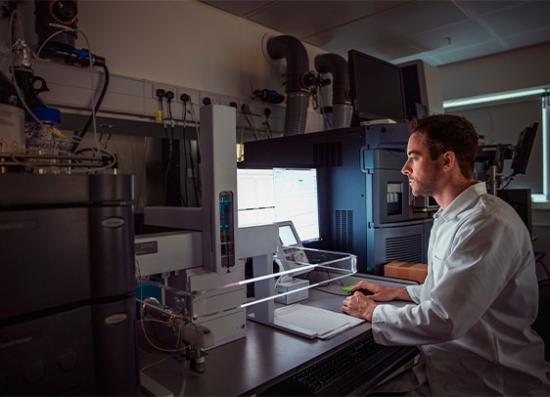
(348, 290)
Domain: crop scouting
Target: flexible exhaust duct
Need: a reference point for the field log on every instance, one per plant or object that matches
(298, 80)
(342, 110)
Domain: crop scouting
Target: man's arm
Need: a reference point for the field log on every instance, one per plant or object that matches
(478, 267)
(362, 306)
(383, 293)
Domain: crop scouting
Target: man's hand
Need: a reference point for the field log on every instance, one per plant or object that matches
(358, 305)
(383, 293)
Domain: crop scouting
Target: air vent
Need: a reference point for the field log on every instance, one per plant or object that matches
(405, 248)
(327, 154)
(344, 230)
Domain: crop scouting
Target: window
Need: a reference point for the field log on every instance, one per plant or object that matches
(501, 117)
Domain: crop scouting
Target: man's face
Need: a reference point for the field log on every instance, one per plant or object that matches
(423, 172)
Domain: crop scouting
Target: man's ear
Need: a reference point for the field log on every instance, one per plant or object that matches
(449, 160)
(413, 123)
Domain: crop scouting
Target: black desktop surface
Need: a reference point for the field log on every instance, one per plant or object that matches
(269, 360)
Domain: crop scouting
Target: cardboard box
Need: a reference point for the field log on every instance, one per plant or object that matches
(406, 271)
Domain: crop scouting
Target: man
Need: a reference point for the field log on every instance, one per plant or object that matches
(471, 318)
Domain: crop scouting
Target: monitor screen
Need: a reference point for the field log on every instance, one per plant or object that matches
(523, 148)
(279, 194)
(376, 88)
(286, 234)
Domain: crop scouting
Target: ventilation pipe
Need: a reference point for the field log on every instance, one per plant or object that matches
(342, 110)
(298, 80)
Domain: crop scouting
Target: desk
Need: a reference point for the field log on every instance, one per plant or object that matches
(252, 364)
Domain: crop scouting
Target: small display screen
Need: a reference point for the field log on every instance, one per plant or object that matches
(286, 234)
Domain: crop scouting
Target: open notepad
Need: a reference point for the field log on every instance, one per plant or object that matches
(314, 322)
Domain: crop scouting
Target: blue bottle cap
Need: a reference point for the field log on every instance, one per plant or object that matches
(46, 114)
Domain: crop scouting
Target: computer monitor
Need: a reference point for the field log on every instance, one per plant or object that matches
(279, 194)
(376, 88)
(522, 151)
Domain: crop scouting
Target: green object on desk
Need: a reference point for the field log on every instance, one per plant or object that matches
(347, 289)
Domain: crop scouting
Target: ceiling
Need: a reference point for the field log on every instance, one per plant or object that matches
(437, 31)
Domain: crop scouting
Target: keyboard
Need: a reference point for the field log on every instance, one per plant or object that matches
(341, 372)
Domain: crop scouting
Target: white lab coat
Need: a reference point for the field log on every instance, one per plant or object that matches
(473, 313)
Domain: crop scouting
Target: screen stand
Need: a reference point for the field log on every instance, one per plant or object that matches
(264, 312)
(377, 122)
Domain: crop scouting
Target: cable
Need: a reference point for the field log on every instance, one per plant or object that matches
(93, 101)
(194, 171)
(250, 123)
(170, 163)
(11, 26)
(281, 269)
(319, 99)
(107, 141)
(99, 101)
(37, 54)
(142, 305)
(151, 342)
(22, 96)
(185, 151)
(508, 180)
(267, 113)
(170, 117)
(154, 320)
(64, 29)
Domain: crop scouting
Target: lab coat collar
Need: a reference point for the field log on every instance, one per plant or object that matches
(462, 202)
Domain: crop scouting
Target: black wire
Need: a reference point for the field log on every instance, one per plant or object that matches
(196, 183)
(322, 110)
(268, 127)
(508, 180)
(170, 163)
(183, 200)
(104, 154)
(97, 105)
(251, 126)
(186, 166)
(171, 118)
(184, 118)
(107, 140)
(194, 177)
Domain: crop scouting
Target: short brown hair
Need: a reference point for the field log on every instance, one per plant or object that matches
(446, 132)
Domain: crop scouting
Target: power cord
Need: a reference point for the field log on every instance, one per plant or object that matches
(98, 103)
(196, 178)
(161, 94)
(185, 99)
(245, 111)
(267, 113)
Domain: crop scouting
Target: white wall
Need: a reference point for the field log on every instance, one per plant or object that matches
(516, 69)
(185, 43)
